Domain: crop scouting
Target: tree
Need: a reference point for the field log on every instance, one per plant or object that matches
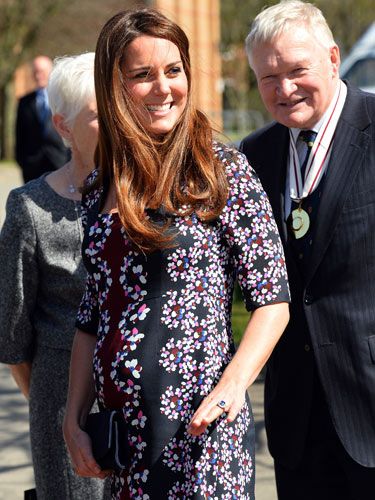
(20, 22)
(49, 27)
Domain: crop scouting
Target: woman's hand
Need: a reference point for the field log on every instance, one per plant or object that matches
(261, 335)
(80, 450)
(81, 395)
(227, 391)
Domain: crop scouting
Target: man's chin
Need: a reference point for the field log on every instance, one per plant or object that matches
(294, 121)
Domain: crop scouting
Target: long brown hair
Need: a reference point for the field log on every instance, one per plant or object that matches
(178, 171)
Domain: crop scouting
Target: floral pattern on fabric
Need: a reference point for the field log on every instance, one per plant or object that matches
(164, 337)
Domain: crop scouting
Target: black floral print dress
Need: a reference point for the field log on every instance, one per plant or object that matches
(163, 327)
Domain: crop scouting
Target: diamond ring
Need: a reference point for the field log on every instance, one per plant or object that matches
(221, 404)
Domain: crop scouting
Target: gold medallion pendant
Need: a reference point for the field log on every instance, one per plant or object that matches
(299, 222)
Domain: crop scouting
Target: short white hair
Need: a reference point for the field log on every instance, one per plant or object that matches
(71, 85)
(275, 20)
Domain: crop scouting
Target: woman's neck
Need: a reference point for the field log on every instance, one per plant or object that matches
(68, 180)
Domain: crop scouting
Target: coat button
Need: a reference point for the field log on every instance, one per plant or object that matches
(307, 347)
(308, 299)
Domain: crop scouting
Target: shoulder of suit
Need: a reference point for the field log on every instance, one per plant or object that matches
(370, 100)
(23, 201)
(33, 191)
(28, 97)
(359, 108)
(264, 134)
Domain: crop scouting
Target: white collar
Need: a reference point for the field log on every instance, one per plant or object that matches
(318, 158)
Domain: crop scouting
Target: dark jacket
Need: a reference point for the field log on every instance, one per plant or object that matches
(38, 149)
(332, 324)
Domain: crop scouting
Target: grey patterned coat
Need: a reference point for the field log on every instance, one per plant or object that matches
(41, 283)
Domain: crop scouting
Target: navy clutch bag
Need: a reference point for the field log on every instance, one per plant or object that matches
(109, 438)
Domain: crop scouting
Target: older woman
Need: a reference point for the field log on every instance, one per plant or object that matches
(42, 280)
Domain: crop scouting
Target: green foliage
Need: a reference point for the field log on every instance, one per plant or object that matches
(348, 19)
(240, 319)
(20, 22)
(240, 316)
(240, 91)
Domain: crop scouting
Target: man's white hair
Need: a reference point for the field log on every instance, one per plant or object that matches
(71, 85)
(286, 15)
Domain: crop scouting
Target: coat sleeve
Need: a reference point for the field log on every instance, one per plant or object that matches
(19, 279)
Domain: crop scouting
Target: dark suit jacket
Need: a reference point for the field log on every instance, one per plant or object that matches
(333, 308)
(37, 150)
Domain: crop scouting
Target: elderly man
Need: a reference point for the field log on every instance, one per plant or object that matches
(39, 147)
(317, 164)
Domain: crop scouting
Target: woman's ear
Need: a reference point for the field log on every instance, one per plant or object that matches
(62, 128)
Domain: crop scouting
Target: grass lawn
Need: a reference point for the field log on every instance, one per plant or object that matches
(8, 164)
(240, 318)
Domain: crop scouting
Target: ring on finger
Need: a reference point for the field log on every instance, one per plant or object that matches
(221, 404)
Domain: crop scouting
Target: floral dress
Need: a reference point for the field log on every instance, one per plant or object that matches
(164, 337)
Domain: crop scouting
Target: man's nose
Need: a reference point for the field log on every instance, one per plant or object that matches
(285, 87)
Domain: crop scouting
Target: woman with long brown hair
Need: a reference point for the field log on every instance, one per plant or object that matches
(173, 218)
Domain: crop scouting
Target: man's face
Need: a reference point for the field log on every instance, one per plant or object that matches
(42, 67)
(297, 77)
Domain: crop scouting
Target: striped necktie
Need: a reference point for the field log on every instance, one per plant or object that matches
(308, 137)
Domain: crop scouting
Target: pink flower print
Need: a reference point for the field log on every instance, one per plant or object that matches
(198, 377)
(133, 340)
(137, 270)
(177, 403)
(141, 313)
(142, 476)
(264, 285)
(140, 420)
(199, 478)
(177, 312)
(93, 230)
(202, 334)
(222, 349)
(182, 264)
(176, 355)
(134, 367)
(232, 442)
(212, 453)
(135, 292)
(131, 387)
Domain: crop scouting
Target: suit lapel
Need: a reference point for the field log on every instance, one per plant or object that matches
(350, 143)
(275, 178)
(33, 105)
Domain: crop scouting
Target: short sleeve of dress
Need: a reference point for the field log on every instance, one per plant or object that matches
(88, 313)
(19, 279)
(252, 235)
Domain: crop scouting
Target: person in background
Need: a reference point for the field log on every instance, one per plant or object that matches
(316, 162)
(42, 280)
(172, 218)
(39, 148)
